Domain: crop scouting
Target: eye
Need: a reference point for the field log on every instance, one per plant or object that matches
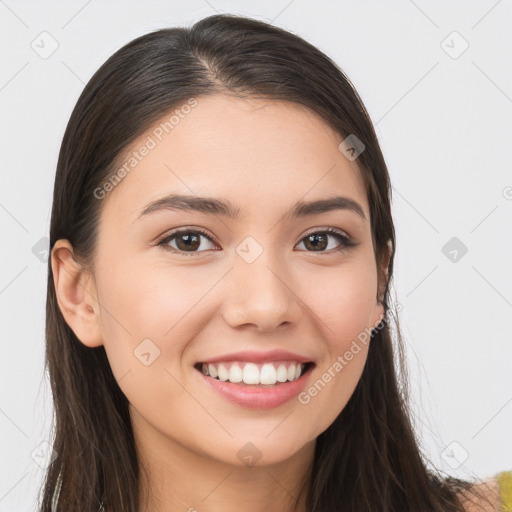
(189, 241)
(185, 241)
(318, 241)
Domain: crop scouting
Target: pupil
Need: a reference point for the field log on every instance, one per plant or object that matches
(191, 241)
(314, 239)
(317, 242)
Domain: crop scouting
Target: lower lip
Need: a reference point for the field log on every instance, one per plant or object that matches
(254, 397)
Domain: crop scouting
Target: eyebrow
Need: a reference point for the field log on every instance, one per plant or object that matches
(213, 206)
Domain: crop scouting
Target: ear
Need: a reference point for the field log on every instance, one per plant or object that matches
(383, 275)
(76, 294)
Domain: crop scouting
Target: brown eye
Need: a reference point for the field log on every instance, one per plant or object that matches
(318, 241)
(186, 241)
(189, 241)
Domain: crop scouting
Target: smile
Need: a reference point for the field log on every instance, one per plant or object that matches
(252, 374)
(256, 386)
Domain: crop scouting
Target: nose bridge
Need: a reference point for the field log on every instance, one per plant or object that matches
(260, 294)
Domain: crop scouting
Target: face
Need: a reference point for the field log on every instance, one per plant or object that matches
(268, 285)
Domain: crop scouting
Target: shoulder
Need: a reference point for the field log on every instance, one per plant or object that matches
(485, 497)
(491, 495)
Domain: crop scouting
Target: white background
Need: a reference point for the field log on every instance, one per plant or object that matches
(445, 127)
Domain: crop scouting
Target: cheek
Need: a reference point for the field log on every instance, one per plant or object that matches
(147, 298)
(344, 299)
(144, 300)
(329, 391)
(147, 322)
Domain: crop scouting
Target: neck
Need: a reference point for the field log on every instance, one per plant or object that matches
(176, 478)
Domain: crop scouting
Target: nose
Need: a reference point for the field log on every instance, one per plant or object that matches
(262, 295)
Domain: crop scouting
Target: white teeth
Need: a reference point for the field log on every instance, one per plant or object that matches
(212, 370)
(282, 373)
(222, 373)
(235, 374)
(251, 374)
(268, 374)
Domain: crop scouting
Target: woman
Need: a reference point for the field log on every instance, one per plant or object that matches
(218, 311)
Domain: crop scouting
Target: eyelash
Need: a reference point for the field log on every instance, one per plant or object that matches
(345, 242)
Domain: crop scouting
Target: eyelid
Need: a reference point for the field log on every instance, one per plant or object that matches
(326, 229)
(187, 229)
(347, 243)
(213, 239)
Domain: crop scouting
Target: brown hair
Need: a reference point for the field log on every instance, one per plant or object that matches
(369, 458)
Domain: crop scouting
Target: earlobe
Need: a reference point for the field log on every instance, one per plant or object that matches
(76, 294)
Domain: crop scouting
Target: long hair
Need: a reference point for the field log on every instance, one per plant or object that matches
(369, 458)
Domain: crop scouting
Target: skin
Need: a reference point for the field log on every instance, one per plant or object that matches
(262, 156)
(486, 499)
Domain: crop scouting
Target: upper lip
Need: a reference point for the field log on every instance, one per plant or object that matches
(259, 357)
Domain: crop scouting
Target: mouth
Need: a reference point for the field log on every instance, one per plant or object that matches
(255, 375)
(256, 380)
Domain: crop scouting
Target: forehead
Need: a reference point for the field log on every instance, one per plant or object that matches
(259, 153)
